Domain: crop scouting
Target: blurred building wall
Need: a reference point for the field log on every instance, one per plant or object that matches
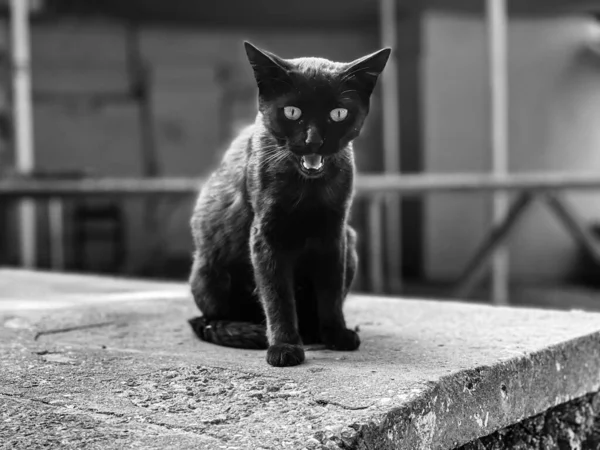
(73, 56)
(554, 115)
(554, 103)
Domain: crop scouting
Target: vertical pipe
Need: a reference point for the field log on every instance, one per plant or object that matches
(140, 80)
(391, 141)
(23, 120)
(139, 76)
(496, 12)
(57, 234)
(374, 226)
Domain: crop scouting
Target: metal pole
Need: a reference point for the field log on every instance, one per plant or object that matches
(496, 12)
(374, 226)
(23, 119)
(391, 141)
(57, 233)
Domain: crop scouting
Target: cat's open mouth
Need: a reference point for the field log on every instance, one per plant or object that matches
(312, 164)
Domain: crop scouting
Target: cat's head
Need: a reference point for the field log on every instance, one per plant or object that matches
(312, 106)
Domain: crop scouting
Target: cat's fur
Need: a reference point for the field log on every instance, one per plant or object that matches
(272, 240)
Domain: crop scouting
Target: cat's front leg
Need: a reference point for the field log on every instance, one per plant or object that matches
(273, 274)
(331, 288)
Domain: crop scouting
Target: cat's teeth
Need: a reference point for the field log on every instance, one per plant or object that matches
(312, 162)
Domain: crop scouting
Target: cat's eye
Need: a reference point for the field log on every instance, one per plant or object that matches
(292, 113)
(338, 114)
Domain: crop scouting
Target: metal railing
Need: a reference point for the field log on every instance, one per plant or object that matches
(366, 185)
(528, 187)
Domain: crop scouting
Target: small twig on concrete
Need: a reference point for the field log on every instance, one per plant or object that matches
(73, 328)
(323, 402)
(44, 352)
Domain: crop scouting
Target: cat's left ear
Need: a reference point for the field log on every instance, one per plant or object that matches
(366, 70)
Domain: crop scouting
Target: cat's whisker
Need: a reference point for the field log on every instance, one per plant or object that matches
(271, 151)
(275, 153)
(270, 157)
(274, 158)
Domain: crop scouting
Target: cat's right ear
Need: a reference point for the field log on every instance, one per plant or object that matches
(270, 71)
(366, 70)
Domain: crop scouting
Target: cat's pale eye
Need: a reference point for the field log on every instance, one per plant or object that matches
(338, 114)
(292, 113)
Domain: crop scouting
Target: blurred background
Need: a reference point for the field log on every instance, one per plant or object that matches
(147, 89)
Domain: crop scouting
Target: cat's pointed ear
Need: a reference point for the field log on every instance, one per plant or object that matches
(270, 71)
(366, 70)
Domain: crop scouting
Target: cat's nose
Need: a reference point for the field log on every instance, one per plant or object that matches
(313, 141)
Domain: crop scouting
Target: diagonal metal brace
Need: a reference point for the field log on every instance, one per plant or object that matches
(574, 224)
(497, 235)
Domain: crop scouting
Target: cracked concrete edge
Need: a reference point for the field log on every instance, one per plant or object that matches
(571, 425)
(474, 403)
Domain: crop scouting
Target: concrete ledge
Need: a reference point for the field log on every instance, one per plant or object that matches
(115, 374)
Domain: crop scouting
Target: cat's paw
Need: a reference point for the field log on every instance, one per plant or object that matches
(342, 340)
(284, 355)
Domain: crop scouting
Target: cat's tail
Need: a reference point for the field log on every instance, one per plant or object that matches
(230, 334)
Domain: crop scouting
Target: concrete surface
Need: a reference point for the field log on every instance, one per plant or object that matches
(84, 366)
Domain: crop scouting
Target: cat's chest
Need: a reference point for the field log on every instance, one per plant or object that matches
(313, 198)
(294, 214)
(303, 226)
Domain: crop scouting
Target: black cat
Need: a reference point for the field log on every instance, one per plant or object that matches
(270, 224)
